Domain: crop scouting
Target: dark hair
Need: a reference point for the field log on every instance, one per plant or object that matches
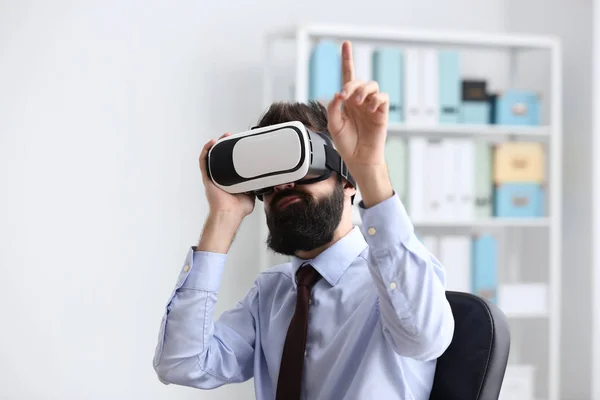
(312, 114)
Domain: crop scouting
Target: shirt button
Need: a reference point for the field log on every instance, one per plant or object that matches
(393, 285)
(372, 231)
(305, 353)
(309, 301)
(186, 269)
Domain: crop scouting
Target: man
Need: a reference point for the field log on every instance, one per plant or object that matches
(359, 312)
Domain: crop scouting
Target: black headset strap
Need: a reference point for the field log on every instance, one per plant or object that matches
(335, 162)
(326, 175)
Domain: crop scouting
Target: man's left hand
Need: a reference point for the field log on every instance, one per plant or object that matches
(358, 118)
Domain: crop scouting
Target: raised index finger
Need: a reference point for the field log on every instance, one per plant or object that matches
(347, 64)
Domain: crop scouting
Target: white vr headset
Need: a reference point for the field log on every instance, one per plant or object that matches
(257, 160)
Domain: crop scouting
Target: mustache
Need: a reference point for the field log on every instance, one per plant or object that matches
(285, 193)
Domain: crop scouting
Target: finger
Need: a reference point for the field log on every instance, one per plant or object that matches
(379, 102)
(349, 89)
(364, 91)
(347, 64)
(334, 114)
(206, 148)
(204, 157)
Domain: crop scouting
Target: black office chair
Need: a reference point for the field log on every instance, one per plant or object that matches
(473, 366)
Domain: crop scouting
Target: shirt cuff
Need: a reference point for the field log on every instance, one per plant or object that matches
(202, 271)
(386, 223)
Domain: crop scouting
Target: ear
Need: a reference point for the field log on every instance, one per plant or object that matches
(349, 190)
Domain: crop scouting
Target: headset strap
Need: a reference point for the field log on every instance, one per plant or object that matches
(335, 162)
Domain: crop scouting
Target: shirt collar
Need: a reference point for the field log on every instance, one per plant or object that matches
(335, 260)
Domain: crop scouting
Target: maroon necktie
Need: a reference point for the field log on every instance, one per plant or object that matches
(289, 384)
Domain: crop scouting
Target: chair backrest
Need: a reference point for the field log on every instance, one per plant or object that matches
(473, 366)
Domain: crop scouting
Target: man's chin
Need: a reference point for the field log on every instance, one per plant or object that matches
(289, 245)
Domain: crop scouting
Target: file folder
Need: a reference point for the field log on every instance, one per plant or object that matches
(434, 189)
(325, 74)
(363, 61)
(450, 87)
(485, 267)
(431, 88)
(396, 159)
(417, 148)
(413, 87)
(388, 72)
(455, 256)
(483, 180)
(466, 179)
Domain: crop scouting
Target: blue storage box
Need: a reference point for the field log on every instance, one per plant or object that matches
(519, 200)
(517, 107)
(474, 112)
(485, 267)
(475, 107)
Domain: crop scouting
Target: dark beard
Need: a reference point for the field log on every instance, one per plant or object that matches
(306, 224)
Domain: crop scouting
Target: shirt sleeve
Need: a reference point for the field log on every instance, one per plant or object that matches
(193, 349)
(416, 317)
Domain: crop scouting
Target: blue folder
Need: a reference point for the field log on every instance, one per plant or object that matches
(388, 64)
(450, 87)
(485, 267)
(325, 73)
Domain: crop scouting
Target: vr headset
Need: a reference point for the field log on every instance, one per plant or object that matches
(257, 160)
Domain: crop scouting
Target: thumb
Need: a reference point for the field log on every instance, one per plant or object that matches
(334, 114)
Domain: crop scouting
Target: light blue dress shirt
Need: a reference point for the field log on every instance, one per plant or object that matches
(378, 318)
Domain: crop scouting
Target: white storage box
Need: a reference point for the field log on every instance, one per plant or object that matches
(518, 383)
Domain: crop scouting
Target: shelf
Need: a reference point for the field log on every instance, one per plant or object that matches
(542, 222)
(473, 131)
(486, 223)
(526, 315)
(421, 37)
(304, 36)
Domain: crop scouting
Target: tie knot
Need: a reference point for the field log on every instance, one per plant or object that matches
(307, 276)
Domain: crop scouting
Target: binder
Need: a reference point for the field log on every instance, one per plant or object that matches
(430, 84)
(396, 159)
(418, 166)
(485, 267)
(455, 256)
(433, 188)
(483, 180)
(413, 89)
(363, 61)
(466, 179)
(388, 72)
(325, 74)
(449, 87)
(449, 179)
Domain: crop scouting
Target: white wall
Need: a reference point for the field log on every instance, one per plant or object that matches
(572, 22)
(104, 107)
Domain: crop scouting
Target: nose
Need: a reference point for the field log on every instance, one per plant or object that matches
(285, 186)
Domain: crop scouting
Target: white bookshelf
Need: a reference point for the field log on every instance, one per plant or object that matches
(484, 223)
(303, 37)
(484, 132)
